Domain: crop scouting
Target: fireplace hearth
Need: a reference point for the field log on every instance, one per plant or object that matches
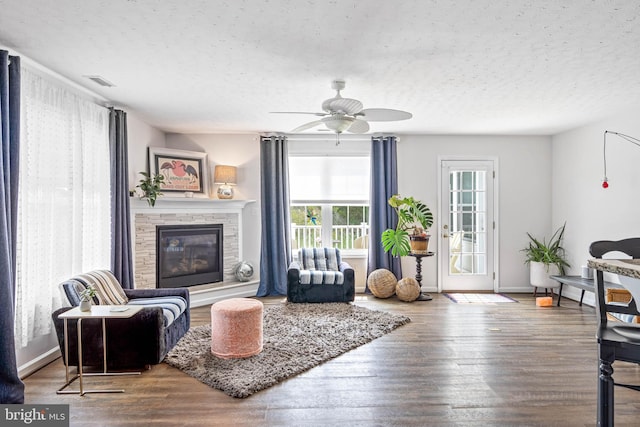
(188, 255)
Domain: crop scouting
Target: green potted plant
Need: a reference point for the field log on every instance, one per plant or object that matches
(410, 234)
(86, 295)
(545, 259)
(151, 187)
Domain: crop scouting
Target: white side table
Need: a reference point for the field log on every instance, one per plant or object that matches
(103, 312)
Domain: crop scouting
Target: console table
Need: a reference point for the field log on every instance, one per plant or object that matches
(103, 312)
(580, 283)
(418, 257)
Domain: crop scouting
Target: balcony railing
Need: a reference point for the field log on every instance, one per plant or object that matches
(342, 236)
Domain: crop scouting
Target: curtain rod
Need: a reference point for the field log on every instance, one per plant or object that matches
(35, 66)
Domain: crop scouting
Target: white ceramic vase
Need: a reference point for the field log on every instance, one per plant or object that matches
(539, 273)
(85, 305)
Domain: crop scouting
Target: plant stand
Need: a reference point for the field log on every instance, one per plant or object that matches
(418, 257)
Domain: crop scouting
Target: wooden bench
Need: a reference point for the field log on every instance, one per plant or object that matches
(580, 283)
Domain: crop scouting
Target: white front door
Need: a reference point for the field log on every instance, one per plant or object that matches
(467, 227)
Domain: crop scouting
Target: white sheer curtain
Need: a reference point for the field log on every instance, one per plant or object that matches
(63, 206)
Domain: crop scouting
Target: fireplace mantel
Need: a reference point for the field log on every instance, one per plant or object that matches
(181, 204)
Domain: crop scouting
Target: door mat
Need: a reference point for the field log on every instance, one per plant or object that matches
(465, 298)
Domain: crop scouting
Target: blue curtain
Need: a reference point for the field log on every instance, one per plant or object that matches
(11, 388)
(275, 254)
(384, 184)
(121, 258)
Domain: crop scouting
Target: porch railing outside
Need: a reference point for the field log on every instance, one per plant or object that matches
(343, 236)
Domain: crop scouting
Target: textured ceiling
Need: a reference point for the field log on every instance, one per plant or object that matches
(461, 67)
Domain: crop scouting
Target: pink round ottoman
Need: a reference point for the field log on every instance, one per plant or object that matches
(236, 328)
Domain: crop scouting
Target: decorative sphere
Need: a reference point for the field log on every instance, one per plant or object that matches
(382, 283)
(605, 184)
(243, 271)
(407, 289)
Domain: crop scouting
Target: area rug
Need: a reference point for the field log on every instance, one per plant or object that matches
(465, 298)
(296, 338)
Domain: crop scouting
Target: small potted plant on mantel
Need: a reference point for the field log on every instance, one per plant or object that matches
(151, 187)
(410, 234)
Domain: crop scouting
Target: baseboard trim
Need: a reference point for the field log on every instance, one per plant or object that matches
(39, 362)
(202, 297)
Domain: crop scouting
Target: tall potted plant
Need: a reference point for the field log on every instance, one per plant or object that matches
(410, 234)
(545, 259)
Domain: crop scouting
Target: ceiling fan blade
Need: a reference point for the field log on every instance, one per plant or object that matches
(359, 126)
(384, 115)
(307, 126)
(345, 105)
(298, 112)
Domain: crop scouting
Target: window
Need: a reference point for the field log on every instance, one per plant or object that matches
(64, 200)
(329, 199)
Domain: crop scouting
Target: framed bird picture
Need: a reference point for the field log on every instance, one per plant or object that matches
(184, 172)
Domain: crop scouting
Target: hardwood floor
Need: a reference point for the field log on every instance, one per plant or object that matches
(509, 364)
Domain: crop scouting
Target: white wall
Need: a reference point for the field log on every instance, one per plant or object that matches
(140, 136)
(524, 176)
(591, 212)
(242, 151)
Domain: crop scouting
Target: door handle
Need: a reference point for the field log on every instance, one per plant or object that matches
(445, 236)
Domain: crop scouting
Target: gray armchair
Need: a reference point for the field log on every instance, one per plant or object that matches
(320, 275)
(138, 341)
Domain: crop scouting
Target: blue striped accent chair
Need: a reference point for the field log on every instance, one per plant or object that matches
(320, 275)
(139, 341)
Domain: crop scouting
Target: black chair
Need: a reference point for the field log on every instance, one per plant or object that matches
(616, 340)
(319, 275)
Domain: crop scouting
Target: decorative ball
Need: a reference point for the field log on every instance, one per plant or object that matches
(407, 289)
(243, 271)
(382, 283)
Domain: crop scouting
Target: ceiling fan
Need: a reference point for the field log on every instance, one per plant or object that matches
(347, 114)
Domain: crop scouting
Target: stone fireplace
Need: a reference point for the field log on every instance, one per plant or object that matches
(187, 212)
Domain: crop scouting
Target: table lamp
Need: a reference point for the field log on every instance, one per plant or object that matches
(226, 177)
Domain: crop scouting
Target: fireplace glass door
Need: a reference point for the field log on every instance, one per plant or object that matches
(188, 255)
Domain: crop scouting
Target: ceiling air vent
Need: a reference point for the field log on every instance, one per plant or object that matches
(100, 80)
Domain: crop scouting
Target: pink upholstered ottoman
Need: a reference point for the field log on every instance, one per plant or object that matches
(236, 328)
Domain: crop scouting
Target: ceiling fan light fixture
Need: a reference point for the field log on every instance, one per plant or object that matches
(338, 123)
(340, 114)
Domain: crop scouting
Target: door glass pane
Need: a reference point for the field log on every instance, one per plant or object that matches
(467, 222)
(467, 180)
(466, 264)
(467, 247)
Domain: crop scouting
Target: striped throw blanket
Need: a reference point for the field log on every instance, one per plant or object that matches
(172, 307)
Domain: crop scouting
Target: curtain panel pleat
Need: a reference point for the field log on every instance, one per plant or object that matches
(275, 254)
(11, 388)
(121, 256)
(384, 184)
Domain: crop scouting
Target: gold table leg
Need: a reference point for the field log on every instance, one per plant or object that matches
(79, 374)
